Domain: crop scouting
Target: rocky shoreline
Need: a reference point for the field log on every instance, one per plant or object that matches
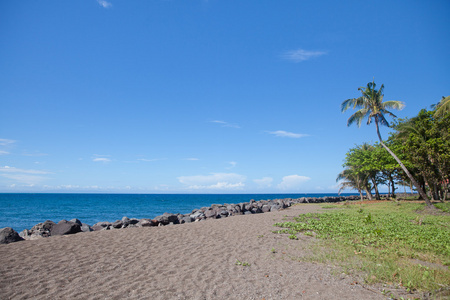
(215, 211)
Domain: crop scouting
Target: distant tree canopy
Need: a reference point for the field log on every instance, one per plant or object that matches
(422, 143)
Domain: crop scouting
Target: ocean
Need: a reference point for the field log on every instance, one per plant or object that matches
(23, 211)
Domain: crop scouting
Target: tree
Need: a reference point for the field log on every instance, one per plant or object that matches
(360, 161)
(442, 107)
(371, 106)
(352, 179)
(386, 165)
(426, 140)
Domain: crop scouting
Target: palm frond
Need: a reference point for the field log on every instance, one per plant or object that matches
(357, 117)
(385, 111)
(383, 120)
(405, 129)
(443, 107)
(393, 104)
(354, 103)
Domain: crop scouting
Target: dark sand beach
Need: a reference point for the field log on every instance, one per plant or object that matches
(189, 261)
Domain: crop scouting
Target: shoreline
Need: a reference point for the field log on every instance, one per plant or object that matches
(195, 261)
(215, 211)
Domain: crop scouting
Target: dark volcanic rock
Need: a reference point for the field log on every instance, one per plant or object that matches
(210, 213)
(274, 208)
(86, 228)
(65, 227)
(167, 218)
(198, 215)
(76, 221)
(42, 229)
(117, 224)
(101, 226)
(9, 235)
(146, 222)
(132, 221)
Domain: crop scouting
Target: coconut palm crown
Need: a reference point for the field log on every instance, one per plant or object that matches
(370, 105)
(442, 107)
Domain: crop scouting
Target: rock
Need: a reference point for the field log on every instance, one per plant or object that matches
(42, 229)
(101, 226)
(148, 223)
(274, 208)
(65, 227)
(30, 235)
(133, 221)
(265, 208)
(210, 213)
(117, 224)
(256, 210)
(224, 213)
(76, 221)
(25, 234)
(303, 200)
(86, 228)
(197, 215)
(186, 219)
(9, 235)
(167, 218)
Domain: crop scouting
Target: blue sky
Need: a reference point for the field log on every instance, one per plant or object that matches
(201, 96)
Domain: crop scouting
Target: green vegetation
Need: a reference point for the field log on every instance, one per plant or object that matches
(416, 154)
(244, 264)
(400, 244)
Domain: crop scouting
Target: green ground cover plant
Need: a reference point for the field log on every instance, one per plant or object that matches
(396, 243)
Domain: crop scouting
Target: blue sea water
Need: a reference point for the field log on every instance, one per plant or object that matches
(23, 211)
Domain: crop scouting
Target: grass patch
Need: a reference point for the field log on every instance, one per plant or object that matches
(445, 207)
(390, 242)
(330, 206)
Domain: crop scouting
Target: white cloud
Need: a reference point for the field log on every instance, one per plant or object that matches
(215, 181)
(104, 3)
(7, 144)
(300, 55)
(192, 158)
(292, 182)
(226, 124)
(152, 159)
(282, 133)
(101, 159)
(4, 142)
(8, 169)
(36, 154)
(29, 177)
(263, 182)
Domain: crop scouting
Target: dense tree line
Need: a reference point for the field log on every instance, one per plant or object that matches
(416, 154)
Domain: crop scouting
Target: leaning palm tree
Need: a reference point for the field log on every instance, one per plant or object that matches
(371, 105)
(349, 178)
(442, 107)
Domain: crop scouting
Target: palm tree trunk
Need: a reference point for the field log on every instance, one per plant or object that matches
(393, 187)
(368, 193)
(413, 181)
(377, 193)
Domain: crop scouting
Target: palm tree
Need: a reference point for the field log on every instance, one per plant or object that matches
(354, 180)
(442, 107)
(371, 105)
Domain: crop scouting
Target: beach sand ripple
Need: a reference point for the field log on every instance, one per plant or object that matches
(190, 261)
